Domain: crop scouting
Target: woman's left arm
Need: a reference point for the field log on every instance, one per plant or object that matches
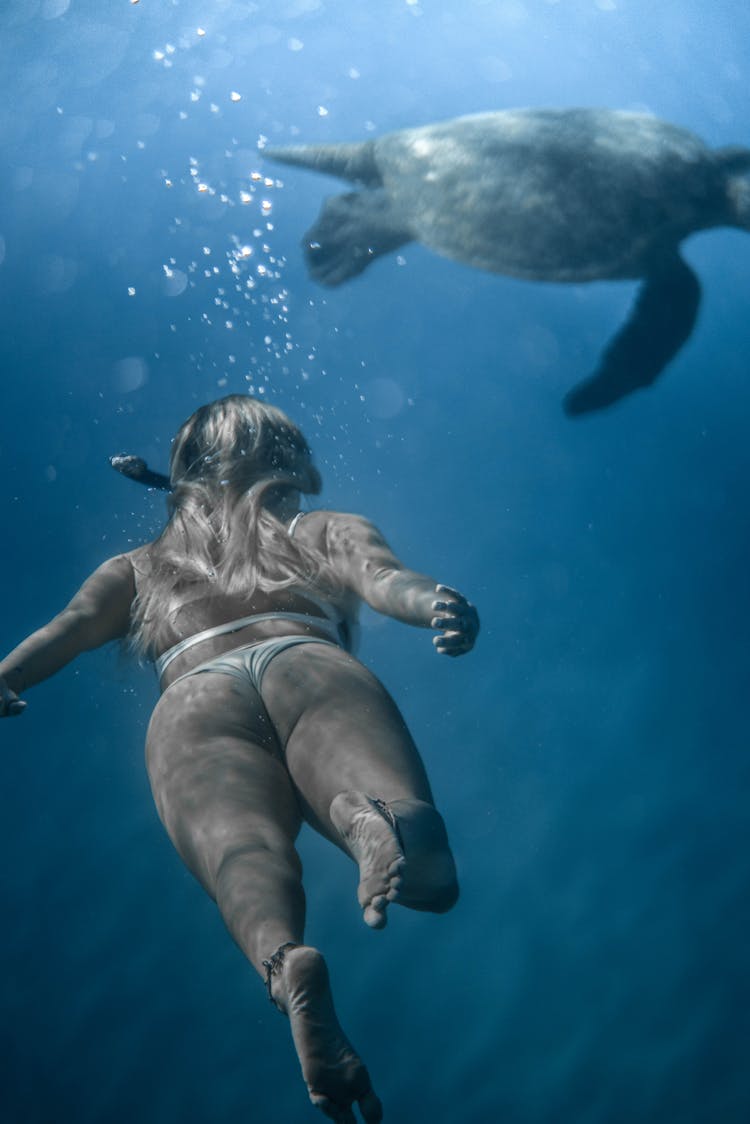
(99, 612)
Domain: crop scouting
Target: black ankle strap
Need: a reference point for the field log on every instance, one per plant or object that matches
(387, 814)
(274, 965)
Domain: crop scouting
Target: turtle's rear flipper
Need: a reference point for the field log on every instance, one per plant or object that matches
(659, 324)
(352, 230)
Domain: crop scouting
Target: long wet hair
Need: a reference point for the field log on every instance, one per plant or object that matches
(226, 461)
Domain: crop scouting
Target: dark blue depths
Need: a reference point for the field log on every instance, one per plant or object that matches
(590, 756)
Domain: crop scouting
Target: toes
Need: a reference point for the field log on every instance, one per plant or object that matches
(334, 1111)
(375, 915)
(369, 1105)
(370, 891)
(374, 905)
(371, 1108)
(375, 887)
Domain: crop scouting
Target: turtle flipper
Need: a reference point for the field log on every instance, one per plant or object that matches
(660, 322)
(351, 231)
(355, 162)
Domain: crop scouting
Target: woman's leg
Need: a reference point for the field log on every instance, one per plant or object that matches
(230, 809)
(226, 802)
(360, 778)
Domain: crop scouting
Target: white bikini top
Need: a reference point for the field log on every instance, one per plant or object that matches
(332, 622)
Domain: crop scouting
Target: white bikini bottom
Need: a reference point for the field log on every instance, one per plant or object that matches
(249, 664)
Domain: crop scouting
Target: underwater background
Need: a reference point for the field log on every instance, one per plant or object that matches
(590, 756)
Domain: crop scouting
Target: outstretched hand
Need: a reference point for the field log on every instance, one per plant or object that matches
(459, 620)
(10, 704)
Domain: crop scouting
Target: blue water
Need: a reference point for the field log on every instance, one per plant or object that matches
(591, 755)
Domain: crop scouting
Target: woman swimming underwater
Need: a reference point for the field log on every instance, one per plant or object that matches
(247, 607)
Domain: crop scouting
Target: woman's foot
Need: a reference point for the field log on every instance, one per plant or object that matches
(401, 848)
(336, 1077)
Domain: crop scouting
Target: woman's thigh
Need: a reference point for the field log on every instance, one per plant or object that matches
(217, 775)
(339, 730)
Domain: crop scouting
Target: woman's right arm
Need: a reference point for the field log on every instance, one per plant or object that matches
(368, 566)
(99, 612)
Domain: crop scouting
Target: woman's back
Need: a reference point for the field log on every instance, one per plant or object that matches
(197, 607)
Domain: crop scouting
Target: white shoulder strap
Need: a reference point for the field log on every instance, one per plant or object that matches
(292, 526)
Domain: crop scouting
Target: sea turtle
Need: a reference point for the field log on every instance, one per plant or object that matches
(546, 195)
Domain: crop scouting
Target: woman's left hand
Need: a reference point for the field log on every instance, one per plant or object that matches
(459, 620)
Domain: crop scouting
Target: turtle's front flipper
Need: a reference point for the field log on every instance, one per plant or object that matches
(659, 324)
(351, 231)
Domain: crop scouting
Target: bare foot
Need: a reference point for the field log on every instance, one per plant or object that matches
(402, 851)
(335, 1076)
(375, 846)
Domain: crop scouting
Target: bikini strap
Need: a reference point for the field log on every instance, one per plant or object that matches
(273, 967)
(162, 662)
(293, 525)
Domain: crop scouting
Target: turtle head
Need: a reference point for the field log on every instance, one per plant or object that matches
(735, 163)
(739, 201)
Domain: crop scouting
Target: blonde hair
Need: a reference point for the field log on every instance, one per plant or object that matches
(227, 459)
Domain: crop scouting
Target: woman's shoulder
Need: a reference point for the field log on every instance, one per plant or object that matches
(324, 517)
(351, 542)
(138, 556)
(139, 559)
(310, 527)
(318, 528)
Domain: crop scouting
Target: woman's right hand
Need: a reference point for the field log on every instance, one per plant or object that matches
(458, 619)
(10, 704)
